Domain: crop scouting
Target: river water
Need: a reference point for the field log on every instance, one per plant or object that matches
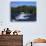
(23, 17)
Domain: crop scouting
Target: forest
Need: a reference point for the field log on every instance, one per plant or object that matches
(24, 8)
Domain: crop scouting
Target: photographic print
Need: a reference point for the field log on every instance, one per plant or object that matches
(23, 11)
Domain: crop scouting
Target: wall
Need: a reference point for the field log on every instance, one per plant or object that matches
(30, 30)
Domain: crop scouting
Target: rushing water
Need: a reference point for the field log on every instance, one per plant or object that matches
(23, 17)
